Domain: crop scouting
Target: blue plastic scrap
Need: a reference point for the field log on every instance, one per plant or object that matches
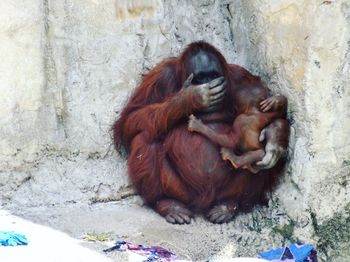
(10, 238)
(291, 253)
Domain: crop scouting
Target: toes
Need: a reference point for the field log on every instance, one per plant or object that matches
(224, 154)
(174, 219)
(178, 219)
(222, 213)
(169, 218)
(186, 218)
(212, 212)
(223, 219)
(215, 213)
(191, 125)
(212, 216)
(186, 213)
(219, 218)
(173, 211)
(223, 151)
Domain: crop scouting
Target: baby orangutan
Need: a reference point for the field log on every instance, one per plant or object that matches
(255, 110)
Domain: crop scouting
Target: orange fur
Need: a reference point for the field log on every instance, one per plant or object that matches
(165, 160)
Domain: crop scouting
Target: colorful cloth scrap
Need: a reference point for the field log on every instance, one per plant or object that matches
(10, 238)
(153, 253)
(291, 253)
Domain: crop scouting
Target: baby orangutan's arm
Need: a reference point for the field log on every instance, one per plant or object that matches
(224, 140)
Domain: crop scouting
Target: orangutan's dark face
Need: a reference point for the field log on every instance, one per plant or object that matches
(205, 68)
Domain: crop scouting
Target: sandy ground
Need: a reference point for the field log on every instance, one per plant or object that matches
(57, 233)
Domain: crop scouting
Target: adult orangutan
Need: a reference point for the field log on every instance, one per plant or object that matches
(178, 172)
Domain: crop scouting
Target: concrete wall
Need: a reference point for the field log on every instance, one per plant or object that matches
(67, 67)
(302, 48)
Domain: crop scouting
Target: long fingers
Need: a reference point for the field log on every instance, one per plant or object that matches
(266, 160)
(267, 104)
(188, 81)
(212, 93)
(262, 135)
(213, 108)
(269, 160)
(218, 88)
(215, 82)
(217, 94)
(216, 104)
(267, 107)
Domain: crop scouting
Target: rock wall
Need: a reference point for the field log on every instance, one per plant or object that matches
(67, 68)
(301, 48)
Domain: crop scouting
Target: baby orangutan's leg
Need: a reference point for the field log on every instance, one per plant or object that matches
(243, 161)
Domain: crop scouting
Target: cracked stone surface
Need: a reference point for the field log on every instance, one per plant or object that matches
(67, 68)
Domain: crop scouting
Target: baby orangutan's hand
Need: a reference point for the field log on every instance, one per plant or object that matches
(194, 124)
(273, 103)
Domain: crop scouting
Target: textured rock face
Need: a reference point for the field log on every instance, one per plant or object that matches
(67, 67)
(302, 49)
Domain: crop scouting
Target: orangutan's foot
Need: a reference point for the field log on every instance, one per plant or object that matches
(223, 213)
(227, 154)
(174, 211)
(244, 161)
(194, 124)
(251, 169)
